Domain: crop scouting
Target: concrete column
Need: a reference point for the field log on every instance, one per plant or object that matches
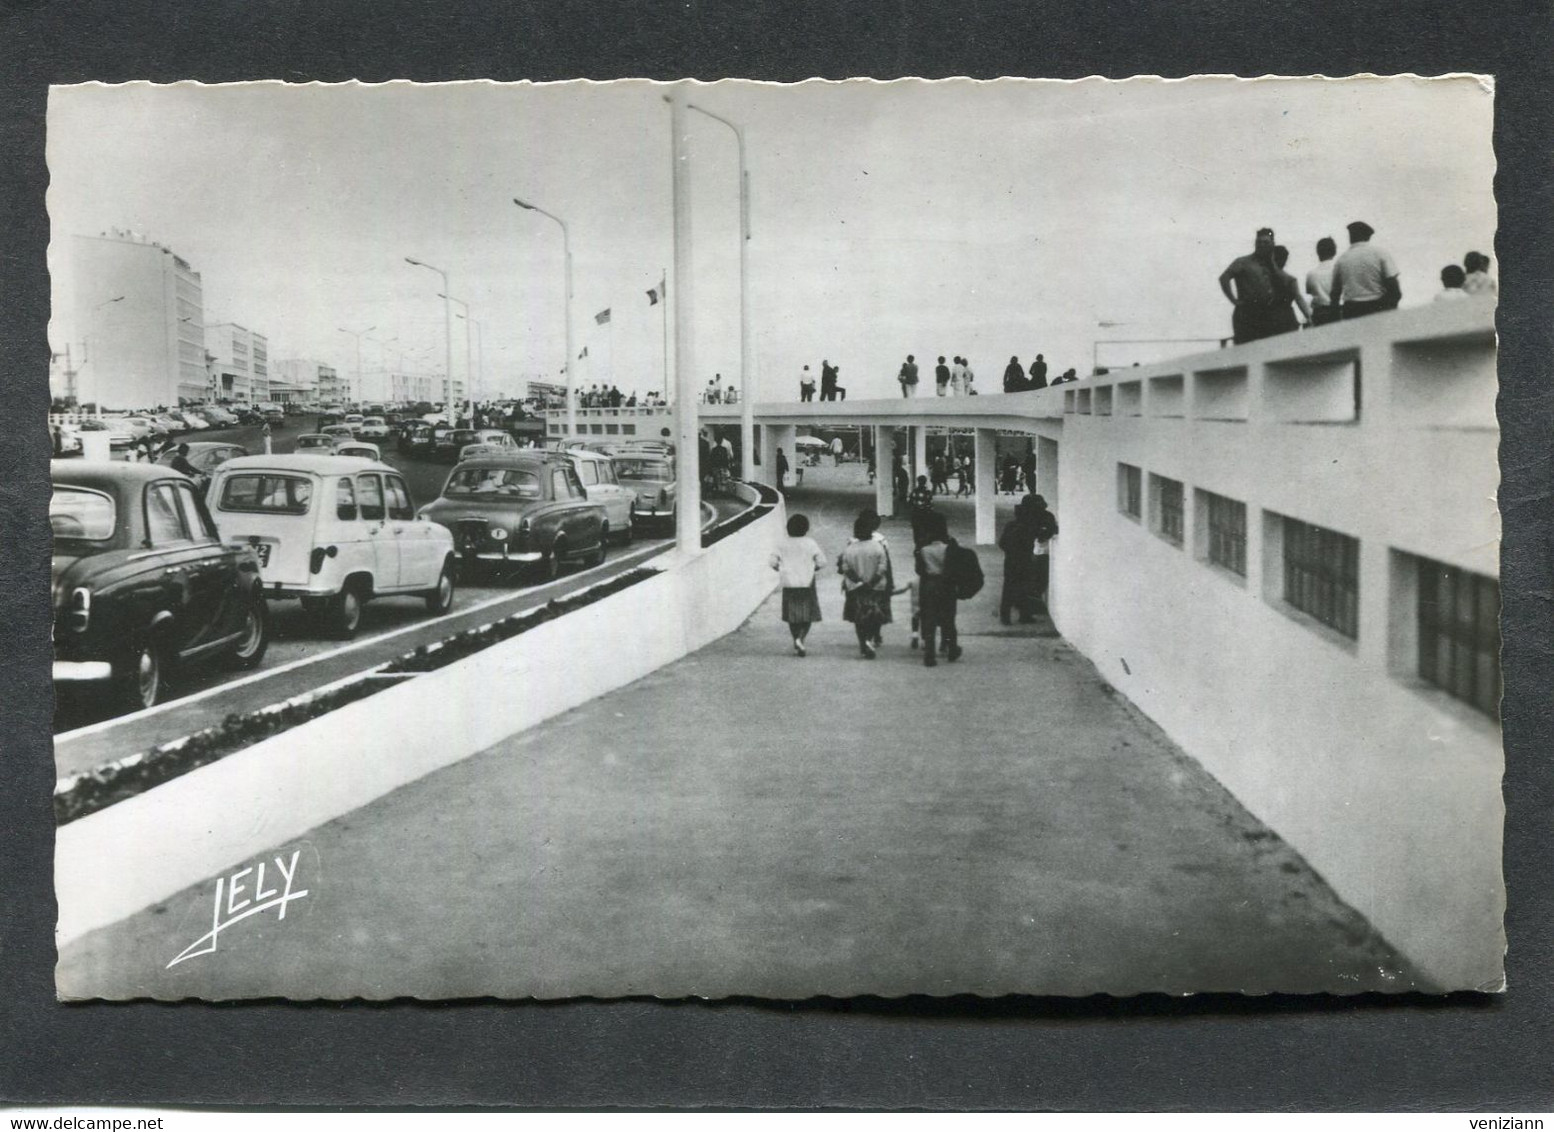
(884, 464)
(985, 458)
(919, 452)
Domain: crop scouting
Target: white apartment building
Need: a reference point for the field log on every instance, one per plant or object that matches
(240, 365)
(136, 310)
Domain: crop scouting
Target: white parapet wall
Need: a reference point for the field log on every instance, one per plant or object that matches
(189, 829)
(1382, 430)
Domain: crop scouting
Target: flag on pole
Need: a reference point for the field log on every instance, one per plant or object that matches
(657, 294)
(603, 316)
(584, 354)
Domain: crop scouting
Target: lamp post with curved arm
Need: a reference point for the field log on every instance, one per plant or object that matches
(566, 249)
(746, 400)
(447, 324)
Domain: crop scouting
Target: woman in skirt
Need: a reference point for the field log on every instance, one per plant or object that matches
(866, 580)
(796, 560)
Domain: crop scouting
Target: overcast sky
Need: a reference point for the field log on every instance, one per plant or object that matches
(980, 218)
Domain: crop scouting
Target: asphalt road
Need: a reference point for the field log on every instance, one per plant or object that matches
(296, 637)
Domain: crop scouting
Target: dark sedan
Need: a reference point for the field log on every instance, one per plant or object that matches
(205, 456)
(143, 582)
(524, 509)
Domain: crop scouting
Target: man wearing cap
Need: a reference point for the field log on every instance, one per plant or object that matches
(1257, 298)
(1365, 278)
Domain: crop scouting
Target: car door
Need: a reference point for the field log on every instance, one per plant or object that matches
(373, 509)
(181, 590)
(421, 551)
(212, 573)
(581, 524)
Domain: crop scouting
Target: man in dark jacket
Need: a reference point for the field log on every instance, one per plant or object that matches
(1039, 373)
(1014, 376)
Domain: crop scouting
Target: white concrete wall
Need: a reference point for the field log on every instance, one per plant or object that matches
(1391, 790)
(164, 840)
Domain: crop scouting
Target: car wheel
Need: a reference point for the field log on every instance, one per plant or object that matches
(550, 566)
(596, 558)
(344, 613)
(439, 599)
(140, 677)
(256, 635)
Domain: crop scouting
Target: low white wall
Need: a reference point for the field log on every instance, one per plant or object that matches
(113, 863)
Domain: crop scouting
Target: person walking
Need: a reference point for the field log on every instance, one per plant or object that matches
(782, 470)
(1010, 475)
(1365, 278)
(1046, 524)
(938, 475)
(908, 377)
(936, 595)
(919, 507)
(901, 485)
(1014, 376)
(864, 565)
(963, 475)
(1018, 542)
(1028, 470)
(797, 559)
(941, 377)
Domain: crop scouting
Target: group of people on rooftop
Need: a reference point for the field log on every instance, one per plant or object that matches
(1362, 281)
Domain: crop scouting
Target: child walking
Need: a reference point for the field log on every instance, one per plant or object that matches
(796, 560)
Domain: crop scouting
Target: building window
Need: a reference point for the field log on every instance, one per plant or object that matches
(1130, 491)
(1227, 532)
(1459, 634)
(629, 430)
(1322, 575)
(1166, 498)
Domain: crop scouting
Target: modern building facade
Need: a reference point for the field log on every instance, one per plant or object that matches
(240, 364)
(137, 310)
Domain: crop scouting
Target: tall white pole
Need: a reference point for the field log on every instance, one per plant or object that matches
(746, 399)
(566, 248)
(687, 453)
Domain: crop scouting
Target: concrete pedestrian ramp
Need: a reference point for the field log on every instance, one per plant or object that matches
(746, 822)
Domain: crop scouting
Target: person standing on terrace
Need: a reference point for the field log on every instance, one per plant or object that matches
(1038, 373)
(941, 377)
(1260, 307)
(1476, 279)
(1365, 278)
(1319, 284)
(1291, 291)
(1014, 376)
(908, 377)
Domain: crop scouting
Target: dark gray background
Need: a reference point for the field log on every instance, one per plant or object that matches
(1208, 1052)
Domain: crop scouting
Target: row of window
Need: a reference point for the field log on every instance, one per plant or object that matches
(1455, 615)
(555, 429)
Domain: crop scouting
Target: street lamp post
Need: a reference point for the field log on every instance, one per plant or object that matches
(447, 326)
(746, 400)
(357, 334)
(469, 368)
(566, 248)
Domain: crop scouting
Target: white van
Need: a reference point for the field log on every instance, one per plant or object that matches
(334, 531)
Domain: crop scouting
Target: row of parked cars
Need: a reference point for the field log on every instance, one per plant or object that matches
(150, 573)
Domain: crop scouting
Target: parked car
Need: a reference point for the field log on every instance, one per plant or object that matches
(274, 417)
(66, 439)
(338, 433)
(315, 441)
(334, 532)
(470, 451)
(447, 442)
(206, 456)
(650, 477)
(172, 425)
(596, 471)
(373, 428)
(219, 417)
(358, 449)
(143, 583)
(139, 427)
(354, 421)
(526, 509)
(415, 437)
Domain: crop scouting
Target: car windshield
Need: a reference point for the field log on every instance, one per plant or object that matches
(313, 442)
(77, 513)
(642, 469)
(514, 483)
(266, 491)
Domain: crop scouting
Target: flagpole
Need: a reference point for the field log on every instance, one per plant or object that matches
(663, 301)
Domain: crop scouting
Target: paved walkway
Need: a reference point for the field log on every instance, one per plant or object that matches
(748, 822)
